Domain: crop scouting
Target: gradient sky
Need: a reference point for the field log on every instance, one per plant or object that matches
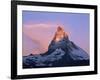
(39, 29)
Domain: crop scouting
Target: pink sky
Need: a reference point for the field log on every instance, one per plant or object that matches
(39, 29)
(37, 37)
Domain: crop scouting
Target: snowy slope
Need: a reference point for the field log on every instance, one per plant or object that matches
(62, 52)
(41, 60)
(79, 54)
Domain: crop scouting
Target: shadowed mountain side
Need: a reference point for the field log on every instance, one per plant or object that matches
(61, 52)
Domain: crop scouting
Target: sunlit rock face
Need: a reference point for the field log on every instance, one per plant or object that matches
(61, 52)
(60, 40)
(60, 34)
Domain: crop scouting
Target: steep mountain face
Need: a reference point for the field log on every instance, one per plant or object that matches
(61, 52)
(60, 34)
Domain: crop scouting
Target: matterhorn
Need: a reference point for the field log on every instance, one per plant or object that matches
(61, 52)
(60, 34)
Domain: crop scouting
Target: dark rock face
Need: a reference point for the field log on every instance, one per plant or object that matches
(61, 52)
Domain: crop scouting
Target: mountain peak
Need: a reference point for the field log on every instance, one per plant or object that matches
(60, 34)
(61, 52)
(59, 28)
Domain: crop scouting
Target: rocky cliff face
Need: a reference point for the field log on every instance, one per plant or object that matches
(61, 52)
(60, 34)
